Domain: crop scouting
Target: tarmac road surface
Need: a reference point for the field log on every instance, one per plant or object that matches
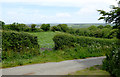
(53, 68)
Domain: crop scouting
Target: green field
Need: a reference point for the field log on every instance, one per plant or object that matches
(45, 39)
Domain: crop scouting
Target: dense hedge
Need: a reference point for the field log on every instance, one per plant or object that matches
(67, 40)
(18, 43)
(112, 61)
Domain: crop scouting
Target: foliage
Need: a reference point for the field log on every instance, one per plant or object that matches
(54, 28)
(92, 27)
(112, 61)
(63, 27)
(107, 26)
(1, 24)
(66, 40)
(60, 27)
(33, 27)
(19, 43)
(101, 26)
(54, 56)
(112, 17)
(15, 27)
(45, 27)
(93, 31)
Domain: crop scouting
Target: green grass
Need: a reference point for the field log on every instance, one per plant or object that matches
(51, 56)
(45, 39)
(94, 70)
(44, 57)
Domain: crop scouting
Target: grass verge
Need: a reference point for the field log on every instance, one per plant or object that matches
(94, 70)
(51, 56)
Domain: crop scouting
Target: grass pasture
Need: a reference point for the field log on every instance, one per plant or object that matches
(45, 39)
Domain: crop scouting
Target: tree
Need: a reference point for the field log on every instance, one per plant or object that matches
(62, 27)
(92, 27)
(107, 26)
(101, 26)
(112, 17)
(54, 28)
(45, 27)
(2, 24)
(33, 27)
(112, 61)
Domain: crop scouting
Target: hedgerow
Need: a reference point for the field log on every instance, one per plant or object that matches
(67, 40)
(16, 44)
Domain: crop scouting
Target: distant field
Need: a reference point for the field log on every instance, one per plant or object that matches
(82, 25)
(45, 39)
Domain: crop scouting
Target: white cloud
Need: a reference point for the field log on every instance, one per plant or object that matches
(87, 11)
(63, 15)
(68, 3)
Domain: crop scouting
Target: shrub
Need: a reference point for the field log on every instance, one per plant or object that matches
(18, 43)
(112, 61)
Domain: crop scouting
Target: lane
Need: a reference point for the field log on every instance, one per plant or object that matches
(53, 68)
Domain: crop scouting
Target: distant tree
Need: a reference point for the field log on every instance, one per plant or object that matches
(62, 27)
(54, 28)
(33, 27)
(101, 26)
(45, 27)
(2, 24)
(107, 26)
(92, 27)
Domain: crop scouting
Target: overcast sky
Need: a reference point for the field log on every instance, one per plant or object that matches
(53, 11)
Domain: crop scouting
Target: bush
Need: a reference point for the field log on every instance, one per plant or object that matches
(18, 43)
(45, 27)
(112, 61)
(67, 40)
